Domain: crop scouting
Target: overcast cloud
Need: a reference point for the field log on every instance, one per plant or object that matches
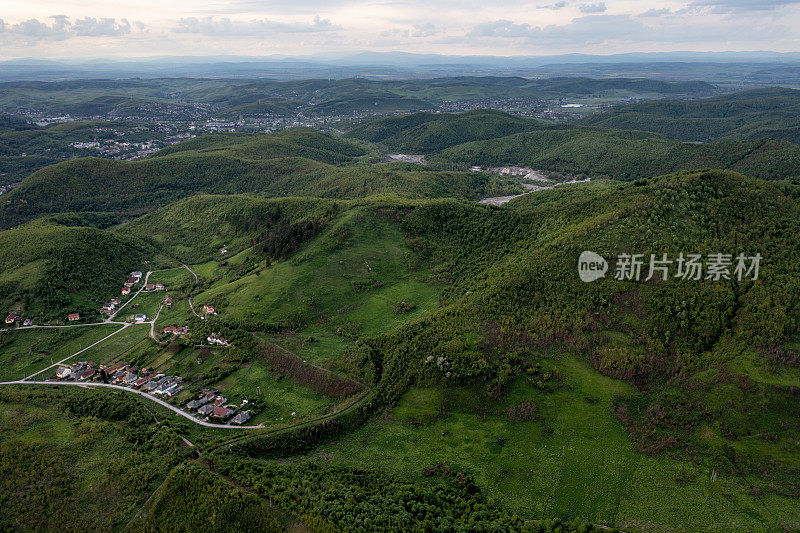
(505, 27)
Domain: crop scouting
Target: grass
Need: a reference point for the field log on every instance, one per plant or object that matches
(147, 303)
(23, 352)
(345, 283)
(118, 346)
(96, 476)
(574, 461)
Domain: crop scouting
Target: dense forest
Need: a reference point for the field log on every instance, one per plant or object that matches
(757, 114)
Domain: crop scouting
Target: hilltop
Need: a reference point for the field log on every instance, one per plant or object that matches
(757, 114)
(493, 139)
(50, 269)
(297, 162)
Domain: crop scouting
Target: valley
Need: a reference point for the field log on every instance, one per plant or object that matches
(383, 327)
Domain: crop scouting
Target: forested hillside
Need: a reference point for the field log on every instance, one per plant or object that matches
(50, 270)
(297, 162)
(414, 359)
(493, 139)
(762, 113)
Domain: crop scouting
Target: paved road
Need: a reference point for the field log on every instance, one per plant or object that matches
(159, 401)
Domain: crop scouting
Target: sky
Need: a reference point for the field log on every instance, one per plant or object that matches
(83, 29)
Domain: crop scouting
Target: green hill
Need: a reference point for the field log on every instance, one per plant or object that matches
(621, 155)
(762, 113)
(296, 162)
(495, 376)
(50, 270)
(492, 139)
(706, 384)
(429, 132)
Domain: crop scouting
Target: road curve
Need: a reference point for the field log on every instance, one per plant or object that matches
(159, 401)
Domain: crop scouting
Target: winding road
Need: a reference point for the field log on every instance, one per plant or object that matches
(159, 401)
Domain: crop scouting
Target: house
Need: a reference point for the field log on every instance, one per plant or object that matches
(149, 287)
(168, 301)
(112, 369)
(241, 417)
(125, 291)
(139, 318)
(142, 380)
(214, 339)
(129, 378)
(28, 322)
(176, 330)
(11, 318)
(173, 391)
(87, 374)
(116, 301)
(219, 401)
(223, 250)
(194, 404)
(158, 287)
(130, 282)
(209, 310)
(136, 274)
(221, 412)
(208, 396)
(63, 372)
(109, 307)
(206, 410)
(72, 317)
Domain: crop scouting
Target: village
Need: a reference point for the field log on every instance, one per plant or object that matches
(209, 405)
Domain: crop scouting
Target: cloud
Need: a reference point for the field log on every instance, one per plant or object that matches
(554, 7)
(656, 12)
(417, 30)
(104, 27)
(602, 29)
(728, 6)
(227, 27)
(599, 7)
(61, 28)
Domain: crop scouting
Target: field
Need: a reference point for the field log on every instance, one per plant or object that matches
(575, 459)
(90, 469)
(26, 351)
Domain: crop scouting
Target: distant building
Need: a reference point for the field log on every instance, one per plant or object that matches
(206, 410)
(215, 339)
(139, 318)
(136, 274)
(11, 318)
(173, 391)
(28, 322)
(72, 317)
(209, 310)
(241, 417)
(126, 291)
(149, 287)
(63, 372)
(168, 301)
